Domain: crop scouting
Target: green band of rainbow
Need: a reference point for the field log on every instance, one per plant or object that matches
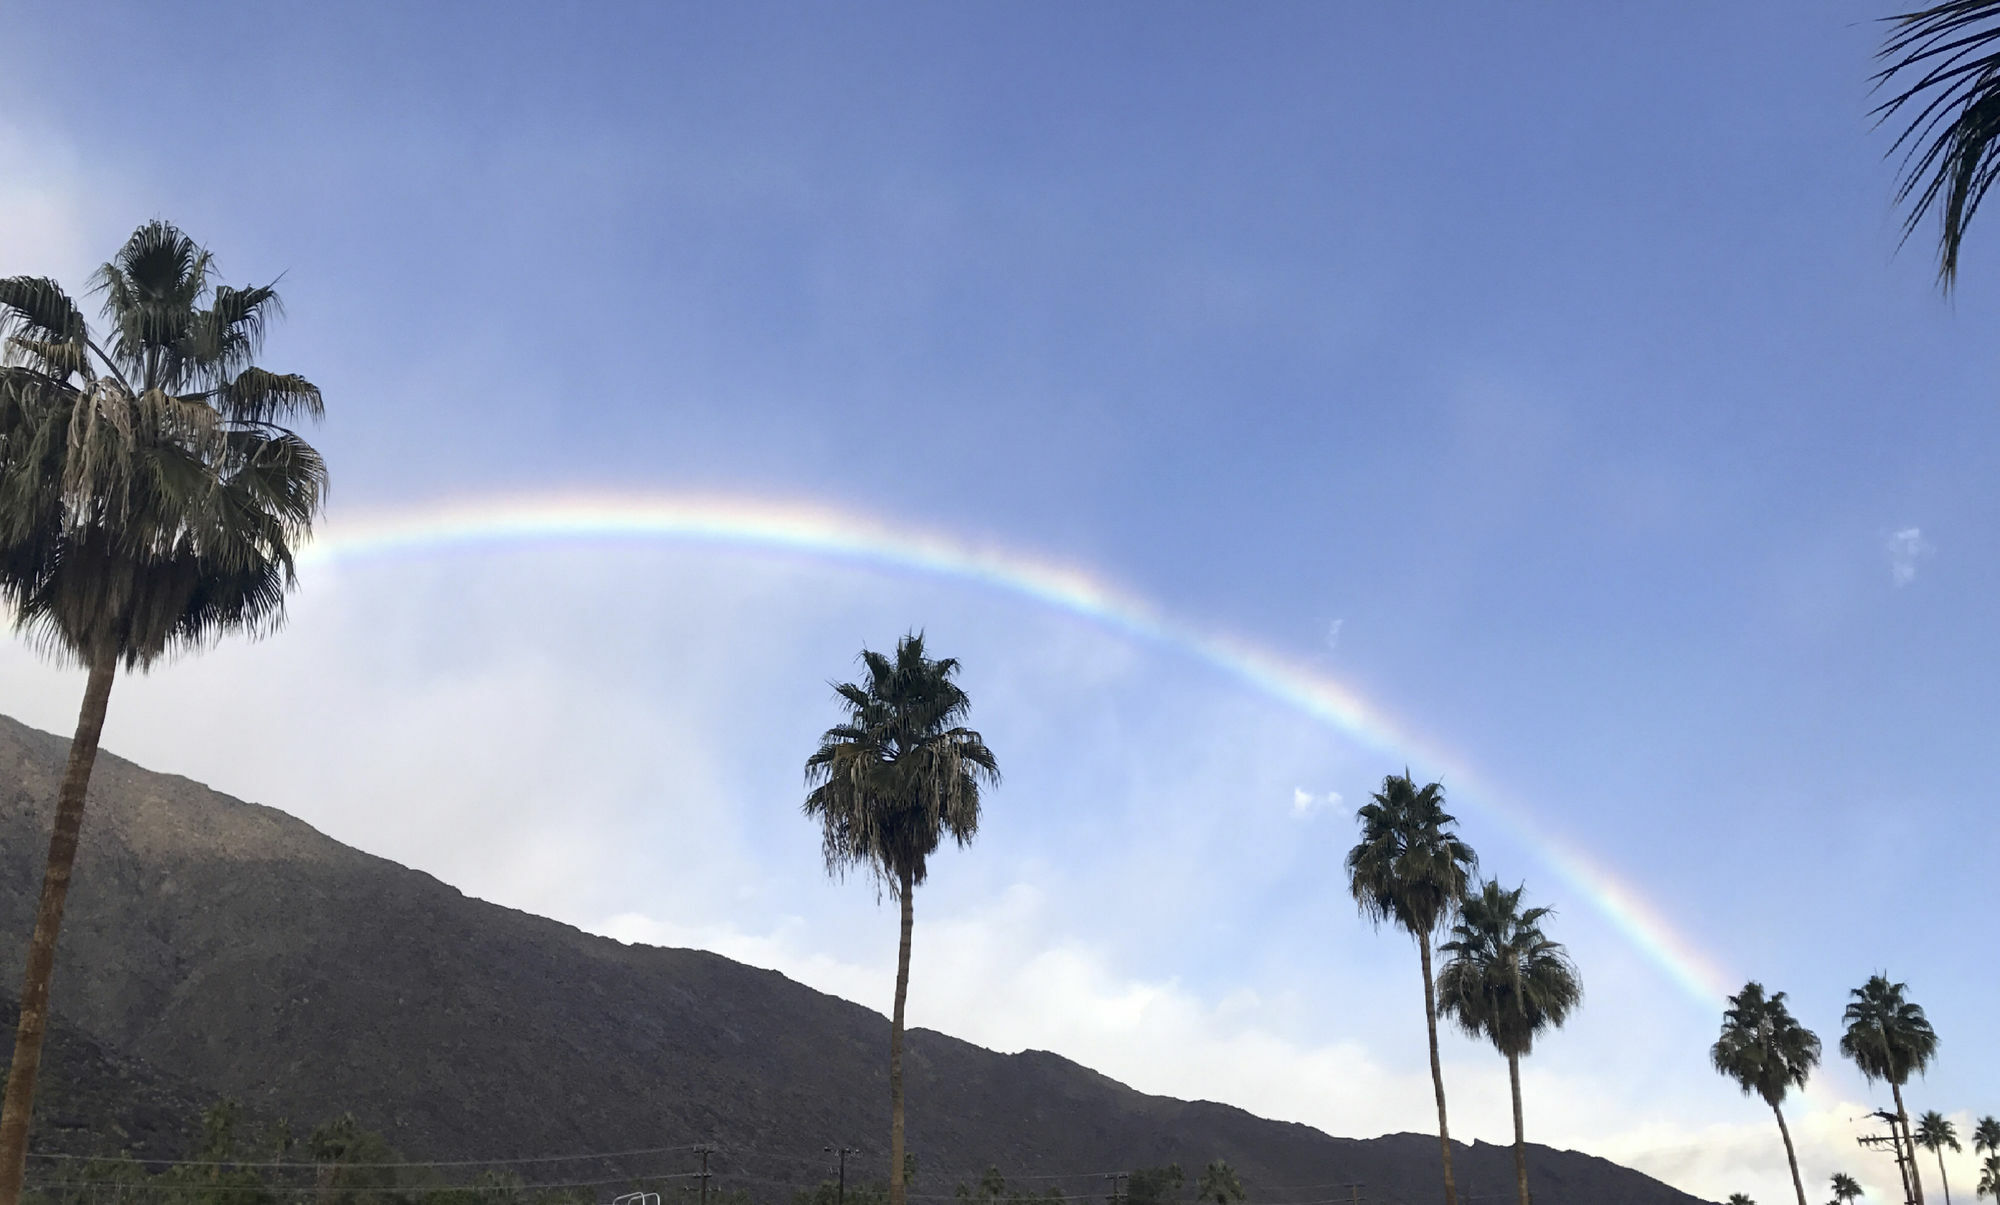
(825, 532)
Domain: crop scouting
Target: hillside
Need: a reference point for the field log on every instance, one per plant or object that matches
(233, 947)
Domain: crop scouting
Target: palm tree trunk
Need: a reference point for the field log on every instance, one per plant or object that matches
(1520, 1133)
(1791, 1156)
(1942, 1178)
(896, 1187)
(1909, 1144)
(19, 1101)
(1437, 1070)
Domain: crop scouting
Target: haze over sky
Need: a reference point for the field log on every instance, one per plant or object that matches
(1546, 373)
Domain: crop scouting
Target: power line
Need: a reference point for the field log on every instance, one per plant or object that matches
(651, 1150)
(154, 1185)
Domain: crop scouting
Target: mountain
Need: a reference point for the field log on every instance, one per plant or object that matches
(230, 946)
(96, 1101)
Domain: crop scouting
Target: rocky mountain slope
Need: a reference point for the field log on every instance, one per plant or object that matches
(230, 946)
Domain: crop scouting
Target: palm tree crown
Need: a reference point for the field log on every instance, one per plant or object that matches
(1504, 978)
(1763, 1047)
(1935, 1132)
(1409, 868)
(1989, 1178)
(1845, 1188)
(1986, 1135)
(150, 494)
(1942, 74)
(890, 782)
(1740, 1198)
(1887, 1037)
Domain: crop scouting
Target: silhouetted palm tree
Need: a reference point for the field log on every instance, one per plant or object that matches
(1989, 1178)
(887, 786)
(1411, 869)
(1845, 1188)
(1768, 1053)
(1740, 1198)
(150, 498)
(1504, 979)
(1942, 77)
(1986, 1136)
(1935, 1133)
(1888, 1038)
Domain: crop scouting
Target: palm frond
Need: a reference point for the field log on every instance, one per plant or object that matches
(1888, 1038)
(1409, 866)
(1942, 80)
(1504, 978)
(151, 510)
(1763, 1047)
(899, 774)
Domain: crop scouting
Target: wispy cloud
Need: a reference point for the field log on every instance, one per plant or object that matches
(1305, 803)
(1333, 633)
(1906, 548)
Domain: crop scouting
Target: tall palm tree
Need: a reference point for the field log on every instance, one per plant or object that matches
(1411, 869)
(1989, 1178)
(1889, 1038)
(1986, 1136)
(1504, 979)
(1845, 1188)
(150, 497)
(1768, 1053)
(1934, 1133)
(1941, 77)
(887, 785)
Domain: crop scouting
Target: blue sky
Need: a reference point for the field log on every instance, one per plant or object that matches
(1558, 357)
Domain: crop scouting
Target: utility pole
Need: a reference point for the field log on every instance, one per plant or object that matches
(1894, 1141)
(843, 1153)
(1117, 1186)
(1354, 1191)
(704, 1150)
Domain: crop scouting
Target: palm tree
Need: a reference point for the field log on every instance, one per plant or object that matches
(1986, 1136)
(1942, 75)
(1740, 1198)
(1411, 869)
(150, 496)
(1989, 1178)
(1768, 1053)
(1504, 979)
(1845, 1188)
(887, 784)
(1934, 1133)
(1888, 1038)
(1219, 1186)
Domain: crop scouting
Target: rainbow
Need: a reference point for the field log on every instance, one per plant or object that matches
(809, 529)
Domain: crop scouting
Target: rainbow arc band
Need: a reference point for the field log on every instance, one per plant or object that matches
(813, 530)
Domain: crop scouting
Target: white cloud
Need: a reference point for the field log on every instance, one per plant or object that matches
(1906, 548)
(1306, 804)
(1333, 633)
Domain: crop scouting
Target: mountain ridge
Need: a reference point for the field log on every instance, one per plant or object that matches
(235, 947)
